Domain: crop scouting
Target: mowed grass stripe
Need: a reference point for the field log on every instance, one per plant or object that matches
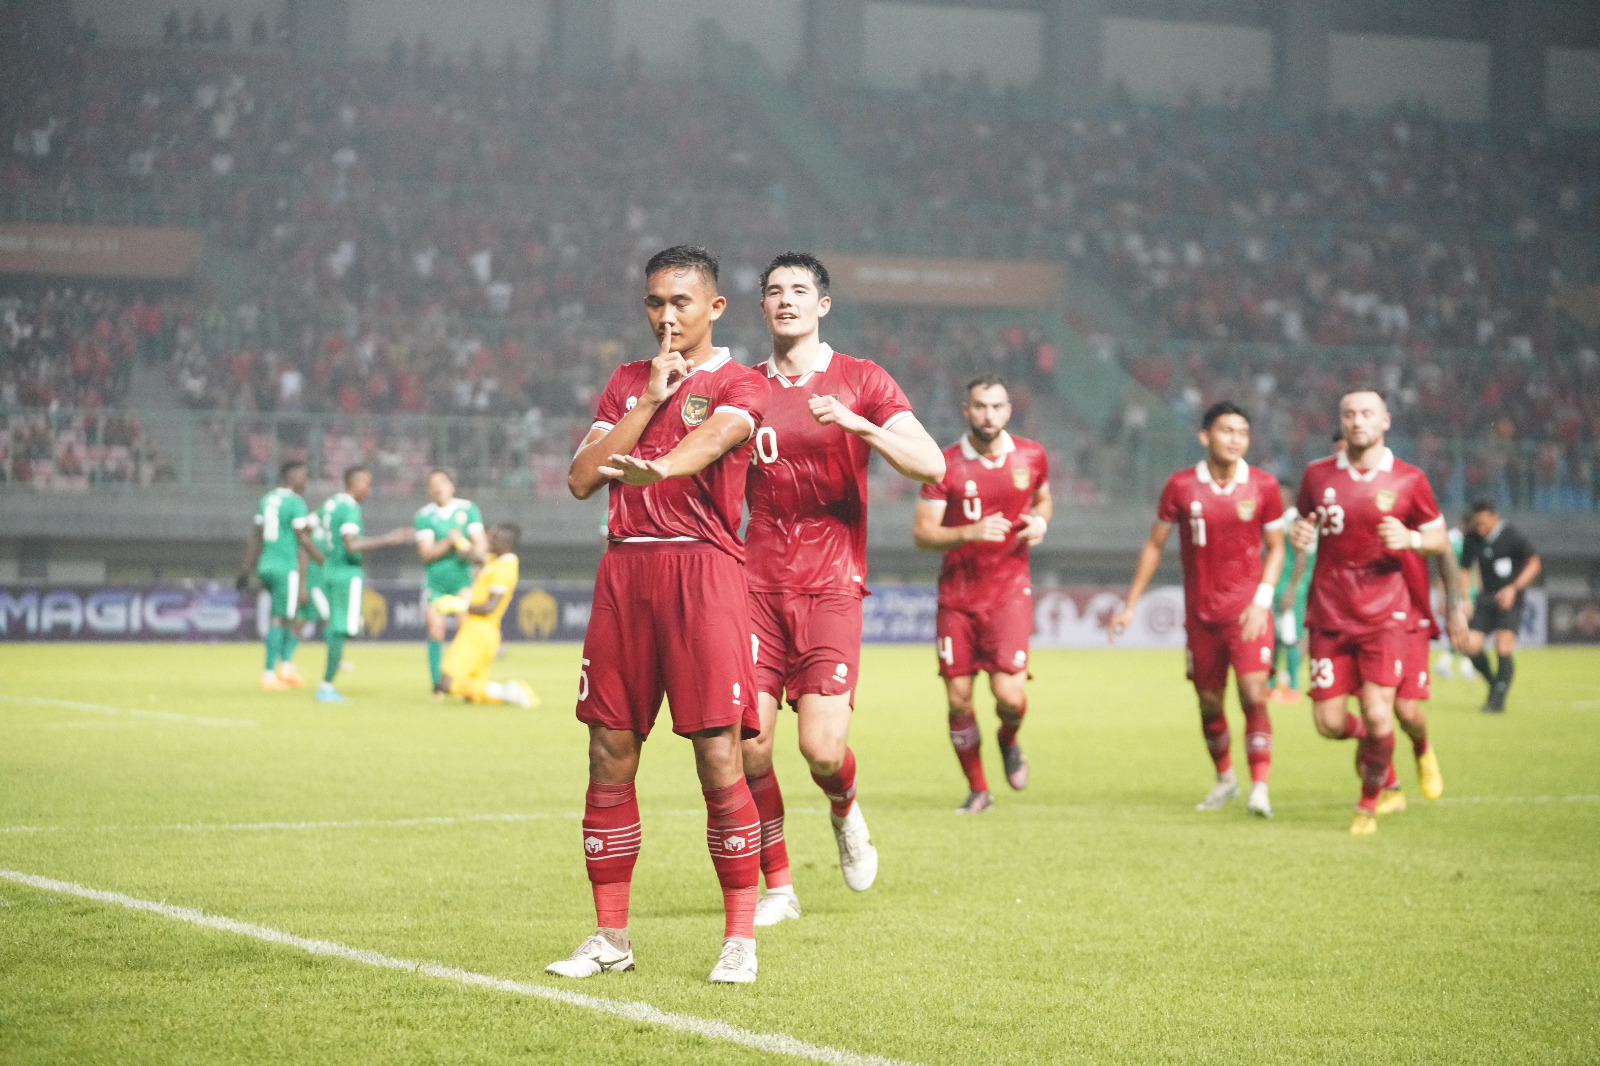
(709, 1028)
(130, 712)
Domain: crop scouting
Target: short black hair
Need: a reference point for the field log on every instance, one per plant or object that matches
(683, 257)
(1365, 386)
(1483, 505)
(803, 260)
(512, 530)
(442, 470)
(351, 472)
(987, 381)
(288, 468)
(1220, 408)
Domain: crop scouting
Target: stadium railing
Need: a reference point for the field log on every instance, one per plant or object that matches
(108, 451)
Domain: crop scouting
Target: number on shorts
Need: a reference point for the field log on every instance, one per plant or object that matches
(583, 682)
(1330, 519)
(947, 651)
(1321, 673)
(767, 444)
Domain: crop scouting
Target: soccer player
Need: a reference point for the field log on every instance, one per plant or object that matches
(1225, 511)
(279, 545)
(1289, 599)
(312, 611)
(464, 671)
(1414, 688)
(991, 506)
(1364, 507)
(342, 579)
(1507, 565)
(806, 560)
(672, 438)
(450, 539)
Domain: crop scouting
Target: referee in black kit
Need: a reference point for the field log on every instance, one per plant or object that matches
(1507, 565)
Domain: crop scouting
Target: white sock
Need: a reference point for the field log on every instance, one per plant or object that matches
(495, 690)
(783, 890)
(268, 675)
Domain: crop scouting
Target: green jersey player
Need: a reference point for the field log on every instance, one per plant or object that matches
(341, 575)
(450, 539)
(279, 546)
(1289, 601)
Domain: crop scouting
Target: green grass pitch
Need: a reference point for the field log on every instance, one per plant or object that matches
(1095, 917)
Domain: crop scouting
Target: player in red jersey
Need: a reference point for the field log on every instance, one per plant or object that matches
(1365, 507)
(991, 507)
(807, 548)
(1225, 511)
(672, 439)
(1414, 686)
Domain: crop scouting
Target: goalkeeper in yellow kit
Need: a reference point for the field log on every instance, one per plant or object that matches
(465, 670)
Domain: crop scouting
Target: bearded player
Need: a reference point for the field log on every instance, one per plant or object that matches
(672, 439)
(992, 505)
(1365, 507)
(1225, 511)
(807, 557)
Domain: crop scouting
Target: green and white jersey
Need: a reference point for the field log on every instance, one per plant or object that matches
(279, 514)
(343, 515)
(450, 573)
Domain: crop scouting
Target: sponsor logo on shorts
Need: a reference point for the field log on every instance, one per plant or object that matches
(1020, 659)
(1385, 499)
(1246, 509)
(841, 671)
(695, 410)
(1266, 654)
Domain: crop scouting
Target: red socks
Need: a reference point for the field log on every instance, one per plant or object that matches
(1258, 741)
(611, 839)
(1354, 727)
(1009, 725)
(964, 737)
(1218, 741)
(733, 835)
(1372, 759)
(769, 805)
(840, 788)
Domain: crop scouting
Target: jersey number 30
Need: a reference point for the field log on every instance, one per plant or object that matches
(767, 445)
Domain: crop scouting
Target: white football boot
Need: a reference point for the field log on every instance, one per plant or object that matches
(737, 963)
(778, 905)
(1258, 804)
(594, 956)
(1226, 788)
(858, 859)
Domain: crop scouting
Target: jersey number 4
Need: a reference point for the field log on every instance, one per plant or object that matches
(947, 651)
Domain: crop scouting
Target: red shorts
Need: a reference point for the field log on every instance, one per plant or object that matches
(1414, 683)
(806, 643)
(1213, 648)
(669, 618)
(994, 640)
(1341, 664)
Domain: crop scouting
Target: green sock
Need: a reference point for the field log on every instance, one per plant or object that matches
(335, 653)
(274, 645)
(435, 657)
(291, 641)
(1294, 667)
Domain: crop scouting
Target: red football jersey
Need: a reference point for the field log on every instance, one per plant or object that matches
(977, 575)
(1357, 586)
(1219, 535)
(708, 506)
(1415, 568)
(808, 485)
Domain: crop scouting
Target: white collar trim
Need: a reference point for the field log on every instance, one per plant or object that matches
(1007, 446)
(1385, 464)
(719, 356)
(824, 360)
(1241, 476)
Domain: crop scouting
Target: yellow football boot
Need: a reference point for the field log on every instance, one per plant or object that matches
(1392, 801)
(1364, 824)
(1429, 779)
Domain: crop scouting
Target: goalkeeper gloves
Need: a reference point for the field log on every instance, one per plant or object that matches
(450, 604)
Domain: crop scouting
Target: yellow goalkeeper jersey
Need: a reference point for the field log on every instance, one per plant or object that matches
(499, 574)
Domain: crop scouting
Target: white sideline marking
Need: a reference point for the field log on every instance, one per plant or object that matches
(212, 827)
(132, 712)
(711, 1029)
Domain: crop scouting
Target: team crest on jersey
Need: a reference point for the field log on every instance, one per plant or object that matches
(1247, 510)
(1385, 500)
(1019, 477)
(695, 410)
